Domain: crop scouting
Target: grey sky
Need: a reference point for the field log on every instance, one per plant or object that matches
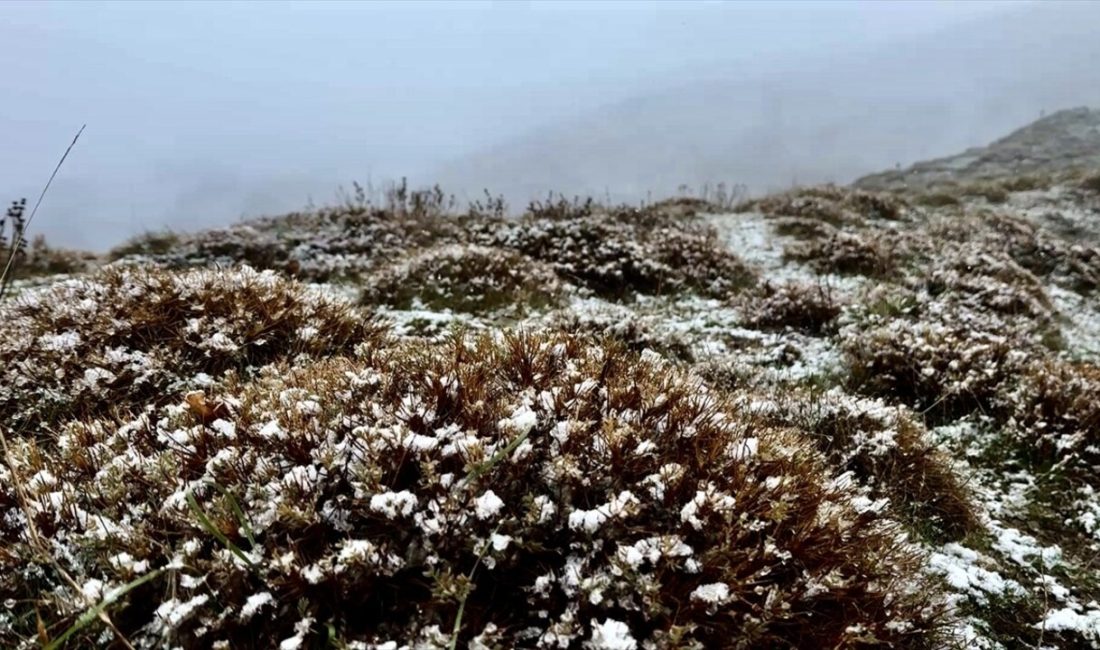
(200, 113)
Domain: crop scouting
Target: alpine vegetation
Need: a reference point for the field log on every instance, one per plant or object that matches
(831, 417)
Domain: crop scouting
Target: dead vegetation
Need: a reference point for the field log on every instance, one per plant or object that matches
(128, 337)
(468, 278)
(810, 309)
(524, 490)
(866, 447)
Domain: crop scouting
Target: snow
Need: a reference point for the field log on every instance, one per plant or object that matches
(488, 505)
(712, 594)
(611, 635)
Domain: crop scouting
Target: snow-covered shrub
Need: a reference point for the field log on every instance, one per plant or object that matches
(802, 307)
(1070, 263)
(329, 243)
(556, 493)
(619, 253)
(464, 278)
(630, 330)
(124, 336)
(887, 450)
(845, 253)
(943, 367)
(986, 280)
(831, 204)
(1054, 412)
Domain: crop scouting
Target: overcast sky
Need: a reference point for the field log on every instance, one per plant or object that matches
(199, 114)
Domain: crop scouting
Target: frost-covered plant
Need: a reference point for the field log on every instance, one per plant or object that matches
(944, 367)
(330, 243)
(1054, 412)
(558, 493)
(622, 252)
(465, 278)
(887, 450)
(986, 280)
(845, 253)
(798, 306)
(128, 336)
(831, 204)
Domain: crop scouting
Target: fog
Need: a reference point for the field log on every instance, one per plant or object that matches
(201, 114)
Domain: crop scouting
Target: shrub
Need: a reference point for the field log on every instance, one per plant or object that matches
(937, 199)
(616, 323)
(803, 228)
(986, 281)
(465, 278)
(801, 307)
(126, 336)
(625, 252)
(43, 260)
(347, 241)
(521, 491)
(150, 244)
(834, 205)
(945, 370)
(844, 254)
(885, 449)
(1054, 413)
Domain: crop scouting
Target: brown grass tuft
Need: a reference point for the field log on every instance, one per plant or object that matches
(123, 337)
(467, 278)
(810, 309)
(556, 492)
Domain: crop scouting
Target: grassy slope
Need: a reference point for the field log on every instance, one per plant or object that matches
(913, 376)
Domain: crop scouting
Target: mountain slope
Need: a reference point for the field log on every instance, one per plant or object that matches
(828, 120)
(1064, 141)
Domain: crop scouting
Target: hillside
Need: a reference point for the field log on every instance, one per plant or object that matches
(769, 126)
(1064, 141)
(829, 417)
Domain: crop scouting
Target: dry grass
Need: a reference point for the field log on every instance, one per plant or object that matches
(944, 370)
(810, 309)
(631, 503)
(845, 254)
(622, 252)
(467, 278)
(830, 204)
(885, 449)
(126, 337)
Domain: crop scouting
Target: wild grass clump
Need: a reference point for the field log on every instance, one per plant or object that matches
(945, 369)
(987, 281)
(148, 244)
(807, 308)
(837, 206)
(516, 491)
(127, 336)
(628, 330)
(845, 253)
(346, 241)
(938, 199)
(1054, 414)
(465, 278)
(884, 448)
(1073, 264)
(41, 259)
(622, 252)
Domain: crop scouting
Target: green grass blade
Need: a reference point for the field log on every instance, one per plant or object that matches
(94, 612)
(209, 527)
(239, 514)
